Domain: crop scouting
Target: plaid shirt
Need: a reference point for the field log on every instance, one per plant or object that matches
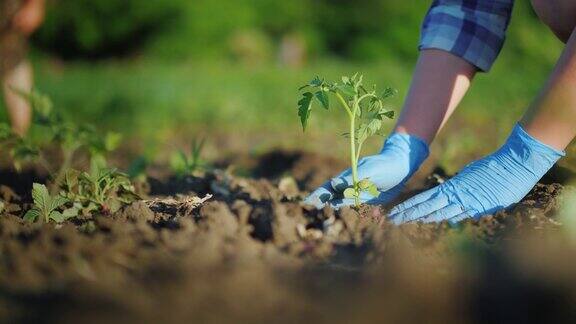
(471, 29)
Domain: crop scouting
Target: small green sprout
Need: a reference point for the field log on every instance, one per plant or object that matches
(69, 137)
(101, 189)
(366, 114)
(46, 207)
(184, 164)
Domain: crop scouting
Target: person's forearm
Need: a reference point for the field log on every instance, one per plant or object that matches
(439, 83)
(33, 5)
(35, 2)
(552, 116)
(30, 16)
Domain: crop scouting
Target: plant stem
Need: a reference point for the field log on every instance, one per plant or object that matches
(368, 95)
(353, 160)
(358, 151)
(353, 156)
(345, 105)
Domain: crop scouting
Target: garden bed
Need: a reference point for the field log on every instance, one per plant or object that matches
(225, 248)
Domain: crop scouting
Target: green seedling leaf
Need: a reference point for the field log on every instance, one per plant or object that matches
(71, 212)
(112, 140)
(322, 97)
(57, 217)
(373, 190)
(179, 162)
(32, 215)
(362, 133)
(317, 82)
(364, 184)
(388, 114)
(347, 90)
(304, 108)
(389, 92)
(184, 164)
(41, 197)
(44, 205)
(57, 202)
(197, 147)
(368, 186)
(197, 162)
(350, 193)
(374, 126)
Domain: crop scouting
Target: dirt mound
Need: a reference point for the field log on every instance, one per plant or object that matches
(251, 252)
(309, 169)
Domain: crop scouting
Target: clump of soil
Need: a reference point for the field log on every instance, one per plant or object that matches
(240, 249)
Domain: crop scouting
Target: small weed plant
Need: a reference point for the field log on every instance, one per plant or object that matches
(101, 189)
(53, 130)
(48, 207)
(71, 193)
(184, 164)
(366, 114)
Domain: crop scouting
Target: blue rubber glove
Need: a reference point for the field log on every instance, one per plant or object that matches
(400, 157)
(485, 186)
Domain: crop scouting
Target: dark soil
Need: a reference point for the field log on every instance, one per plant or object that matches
(251, 253)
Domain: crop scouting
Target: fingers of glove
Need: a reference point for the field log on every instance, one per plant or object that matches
(342, 181)
(368, 168)
(384, 173)
(419, 198)
(344, 202)
(460, 217)
(436, 202)
(443, 214)
(319, 197)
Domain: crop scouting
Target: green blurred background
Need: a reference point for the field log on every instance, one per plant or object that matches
(165, 71)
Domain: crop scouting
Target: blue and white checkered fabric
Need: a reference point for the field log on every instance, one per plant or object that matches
(471, 29)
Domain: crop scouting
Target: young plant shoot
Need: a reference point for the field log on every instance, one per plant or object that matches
(56, 131)
(47, 207)
(365, 110)
(184, 164)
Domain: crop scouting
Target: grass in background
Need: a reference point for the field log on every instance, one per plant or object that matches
(160, 103)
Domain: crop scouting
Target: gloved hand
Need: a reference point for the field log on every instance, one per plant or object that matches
(484, 186)
(399, 158)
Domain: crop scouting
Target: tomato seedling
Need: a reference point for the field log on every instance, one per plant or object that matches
(366, 113)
